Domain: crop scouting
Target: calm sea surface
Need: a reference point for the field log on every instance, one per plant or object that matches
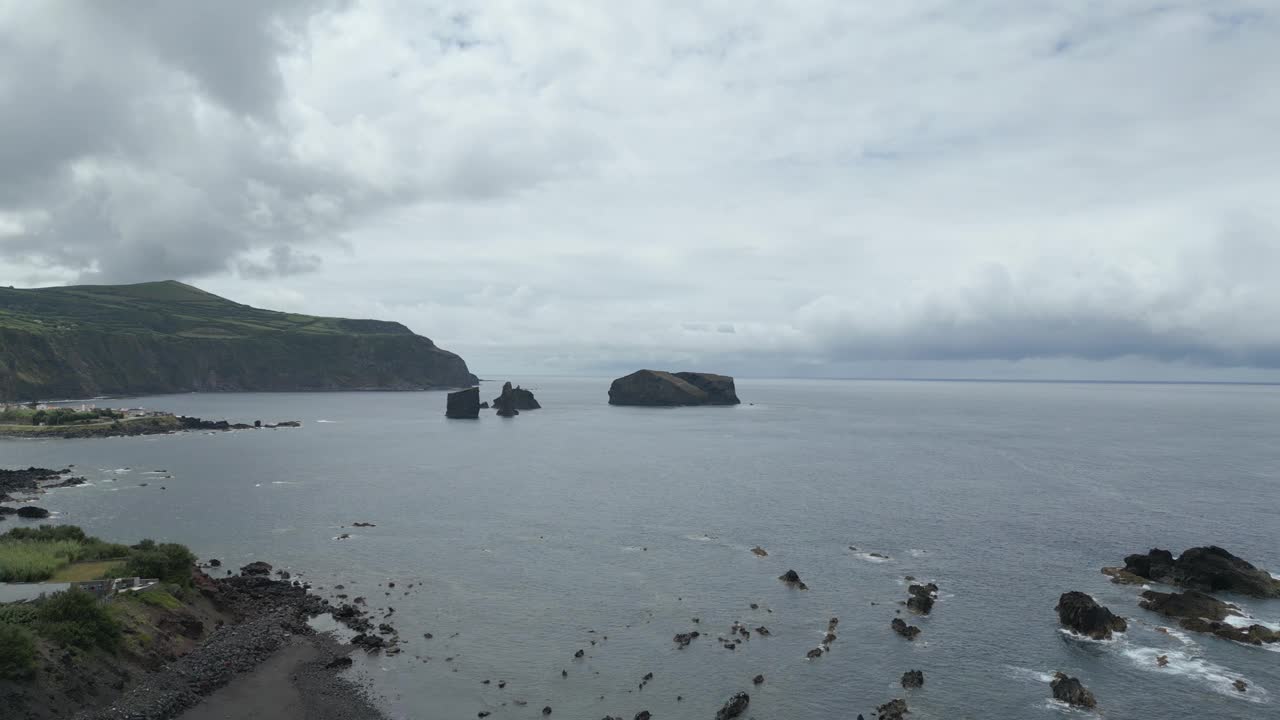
(527, 539)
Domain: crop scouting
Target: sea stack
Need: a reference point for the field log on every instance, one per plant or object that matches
(506, 403)
(658, 388)
(521, 399)
(463, 404)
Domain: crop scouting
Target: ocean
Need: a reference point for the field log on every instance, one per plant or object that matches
(528, 539)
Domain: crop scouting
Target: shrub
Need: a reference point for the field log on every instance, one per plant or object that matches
(75, 617)
(17, 652)
(156, 597)
(45, 533)
(169, 562)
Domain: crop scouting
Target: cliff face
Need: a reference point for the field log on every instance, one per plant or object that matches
(169, 337)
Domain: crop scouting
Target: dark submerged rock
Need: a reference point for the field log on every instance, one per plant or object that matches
(1208, 569)
(1079, 613)
(1070, 691)
(792, 578)
(734, 706)
(32, 512)
(1189, 604)
(907, 631)
(922, 598)
(893, 710)
(913, 679)
(657, 388)
(683, 639)
(256, 568)
(463, 404)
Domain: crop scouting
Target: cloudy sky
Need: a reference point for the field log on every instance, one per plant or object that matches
(941, 188)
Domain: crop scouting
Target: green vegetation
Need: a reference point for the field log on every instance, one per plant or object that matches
(52, 551)
(157, 597)
(36, 554)
(170, 562)
(76, 618)
(92, 570)
(170, 337)
(17, 652)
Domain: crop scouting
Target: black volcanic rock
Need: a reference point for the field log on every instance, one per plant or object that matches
(256, 568)
(1190, 604)
(506, 403)
(463, 404)
(1208, 569)
(32, 512)
(907, 631)
(734, 707)
(521, 399)
(792, 578)
(912, 679)
(656, 388)
(1070, 691)
(922, 598)
(1081, 614)
(1204, 613)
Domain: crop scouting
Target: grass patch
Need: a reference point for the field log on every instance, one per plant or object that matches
(156, 597)
(93, 570)
(36, 555)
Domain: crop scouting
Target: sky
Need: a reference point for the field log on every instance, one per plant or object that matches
(1021, 189)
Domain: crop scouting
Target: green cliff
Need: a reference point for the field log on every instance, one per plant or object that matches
(164, 337)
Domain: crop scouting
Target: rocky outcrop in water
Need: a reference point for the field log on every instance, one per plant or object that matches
(1208, 569)
(922, 598)
(32, 480)
(521, 399)
(31, 512)
(1203, 613)
(734, 706)
(912, 679)
(895, 709)
(792, 579)
(1189, 604)
(506, 403)
(1070, 691)
(463, 404)
(257, 568)
(1079, 613)
(902, 628)
(657, 388)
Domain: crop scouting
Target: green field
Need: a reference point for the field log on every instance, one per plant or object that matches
(37, 555)
(167, 308)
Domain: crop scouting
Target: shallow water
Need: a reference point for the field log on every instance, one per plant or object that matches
(522, 536)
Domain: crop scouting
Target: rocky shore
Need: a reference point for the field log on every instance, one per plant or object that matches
(132, 427)
(260, 638)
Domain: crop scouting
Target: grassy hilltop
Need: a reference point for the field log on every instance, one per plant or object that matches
(170, 337)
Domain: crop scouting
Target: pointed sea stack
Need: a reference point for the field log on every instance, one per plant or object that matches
(657, 388)
(463, 404)
(521, 399)
(506, 403)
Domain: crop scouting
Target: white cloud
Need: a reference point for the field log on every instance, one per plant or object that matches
(825, 188)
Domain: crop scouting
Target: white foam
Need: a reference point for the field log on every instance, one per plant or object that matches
(916, 552)
(1022, 673)
(1216, 677)
(1244, 621)
(1115, 638)
(699, 538)
(327, 421)
(1060, 706)
(285, 482)
(871, 558)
